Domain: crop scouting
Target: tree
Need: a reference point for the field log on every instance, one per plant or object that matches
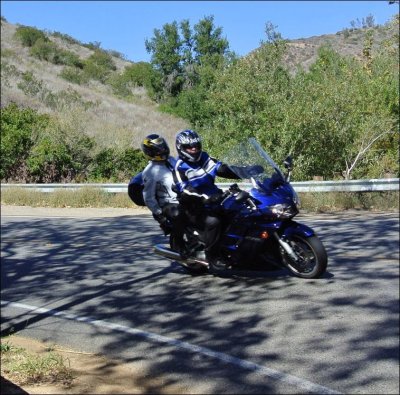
(209, 45)
(166, 58)
(178, 52)
(338, 118)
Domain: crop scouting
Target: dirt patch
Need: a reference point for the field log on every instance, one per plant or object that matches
(93, 374)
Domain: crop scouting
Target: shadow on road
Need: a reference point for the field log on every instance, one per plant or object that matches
(105, 268)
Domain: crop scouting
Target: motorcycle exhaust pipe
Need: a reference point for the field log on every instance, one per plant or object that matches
(168, 253)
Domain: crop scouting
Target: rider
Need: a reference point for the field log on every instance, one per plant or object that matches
(158, 194)
(194, 177)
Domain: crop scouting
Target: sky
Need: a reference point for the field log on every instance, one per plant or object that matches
(124, 26)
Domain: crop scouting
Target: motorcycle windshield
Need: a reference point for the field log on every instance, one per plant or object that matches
(247, 156)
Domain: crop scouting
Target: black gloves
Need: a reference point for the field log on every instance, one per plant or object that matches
(215, 199)
(254, 170)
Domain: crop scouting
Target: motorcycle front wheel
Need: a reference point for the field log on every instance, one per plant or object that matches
(312, 259)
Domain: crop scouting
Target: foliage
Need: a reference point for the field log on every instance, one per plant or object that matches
(99, 65)
(138, 74)
(65, 37)
(116, 164)
(36, 148)
(247, 99)
(178, 52)
(58, 156)
(74, 75)
(29, 35)
(339, 119)
(49, 51)
(19, 127)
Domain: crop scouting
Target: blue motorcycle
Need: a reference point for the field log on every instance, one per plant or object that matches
(258, 229)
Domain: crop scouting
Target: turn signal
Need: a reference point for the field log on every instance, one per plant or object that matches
(264, 235)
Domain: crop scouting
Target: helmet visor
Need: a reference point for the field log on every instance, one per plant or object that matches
(157, 141)
(192, 147)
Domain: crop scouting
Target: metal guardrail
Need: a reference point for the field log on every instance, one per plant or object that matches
(371, 185)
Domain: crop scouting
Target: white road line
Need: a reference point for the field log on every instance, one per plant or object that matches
(304, 385)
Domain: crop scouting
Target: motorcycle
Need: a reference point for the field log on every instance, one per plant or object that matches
(257, 229)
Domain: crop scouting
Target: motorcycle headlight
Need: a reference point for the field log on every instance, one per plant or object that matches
(283, 210)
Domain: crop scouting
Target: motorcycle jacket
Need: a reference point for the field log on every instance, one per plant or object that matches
(158, 182)
(197, 179)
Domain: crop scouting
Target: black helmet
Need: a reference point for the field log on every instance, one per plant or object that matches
(155, 147)
(186, 141)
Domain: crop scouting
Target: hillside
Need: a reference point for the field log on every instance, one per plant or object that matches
(349, 42)
(112, 121)
(97, 111)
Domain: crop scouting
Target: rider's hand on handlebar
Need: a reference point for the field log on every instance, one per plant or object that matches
(254, 170)
(215, 199)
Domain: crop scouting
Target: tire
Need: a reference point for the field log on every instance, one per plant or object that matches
(313, 259)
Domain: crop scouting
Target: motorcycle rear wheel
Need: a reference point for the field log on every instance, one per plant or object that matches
(312, 257)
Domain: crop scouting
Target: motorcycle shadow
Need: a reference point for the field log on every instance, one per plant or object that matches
(255, 272)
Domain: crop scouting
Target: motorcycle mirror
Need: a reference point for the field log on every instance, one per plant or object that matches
(288, 163)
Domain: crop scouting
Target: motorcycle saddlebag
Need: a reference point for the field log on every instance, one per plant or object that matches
(135, 189)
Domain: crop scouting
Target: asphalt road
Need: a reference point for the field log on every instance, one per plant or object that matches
(94, 284)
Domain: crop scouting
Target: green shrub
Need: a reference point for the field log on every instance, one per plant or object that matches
(74, 75)
(49, 161)
(29, 35)
(67, 38)
(99, 65)
(37, 148)
(139, 74)
(102, 166)
(19, 130)
(130, 162)
(116, 165)
(59, 155)
(121, 87)
(49, 51)
(43, 50)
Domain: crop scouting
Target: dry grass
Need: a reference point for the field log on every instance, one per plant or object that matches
(23, 367)
(327, 202)
(112, 121)
(95, 197)
(85, 197)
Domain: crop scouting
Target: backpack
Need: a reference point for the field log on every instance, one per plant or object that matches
(135, 189)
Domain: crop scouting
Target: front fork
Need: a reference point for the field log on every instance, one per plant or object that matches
(286, 246)
(292, 228)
